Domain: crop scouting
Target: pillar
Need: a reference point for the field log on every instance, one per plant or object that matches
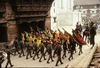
(48, 21)
(11, 23)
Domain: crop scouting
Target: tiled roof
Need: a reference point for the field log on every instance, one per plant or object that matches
(86, 2)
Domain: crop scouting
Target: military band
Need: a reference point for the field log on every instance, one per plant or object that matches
(43, 43)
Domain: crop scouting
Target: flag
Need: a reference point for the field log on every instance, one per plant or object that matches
(23, 38)
(66, 33)
(45, 33)
(31, 40)
(38, 42)
(61, 35)
(69, 35)
(78, 38)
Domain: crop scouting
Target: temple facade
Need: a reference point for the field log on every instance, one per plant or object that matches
(18, 16)
(90, 10)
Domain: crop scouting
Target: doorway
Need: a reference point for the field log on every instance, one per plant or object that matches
(40, 25)
(24, 27)
(3, 32)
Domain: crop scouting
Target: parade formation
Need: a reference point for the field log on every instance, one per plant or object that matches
(40, 43)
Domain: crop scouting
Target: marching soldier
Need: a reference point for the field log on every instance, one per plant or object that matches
(34, 38)
(8, 56)
(59, 49)
(46, 44)
(64, 49)
(55, 51)
(42, 51)
(28, 49)
(80, 45)
(92, 34)
(54, 46)
(49, 50)
(21, 44)
(68, 42)
(72, 48)
(80, 49)
(30, 40)
(23, 38)
(1, 59)
(16, 45)
(35, 49)
(86, 33)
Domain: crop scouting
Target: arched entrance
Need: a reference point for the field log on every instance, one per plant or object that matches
(40, 25)
(31, 26)
(3, 32)
(24, 27)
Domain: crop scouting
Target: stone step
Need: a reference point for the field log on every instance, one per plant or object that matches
(84, 60)
(77, 60)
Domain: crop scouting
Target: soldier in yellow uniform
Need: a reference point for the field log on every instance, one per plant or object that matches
(28, 49)
(38, 41)
(31, 40)
(23, 38)
(26, 33)
(56, 35)
(36, 49)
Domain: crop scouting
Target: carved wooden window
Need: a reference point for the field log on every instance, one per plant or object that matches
(36, 0)
(95, 6)
(29, 2)
(83, 11)
(88, 11)
(97, 11)
(81, 7)
(2, 0)
(92, 11)
(44, 0)
(19, 2)
(98, 5)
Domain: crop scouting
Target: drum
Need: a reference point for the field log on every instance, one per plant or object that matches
(5, 55)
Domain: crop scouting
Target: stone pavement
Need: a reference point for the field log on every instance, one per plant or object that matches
(22, 62)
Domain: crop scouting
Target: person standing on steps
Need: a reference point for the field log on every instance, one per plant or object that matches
(92, 34)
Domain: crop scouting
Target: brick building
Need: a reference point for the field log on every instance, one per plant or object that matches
(17, 16)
